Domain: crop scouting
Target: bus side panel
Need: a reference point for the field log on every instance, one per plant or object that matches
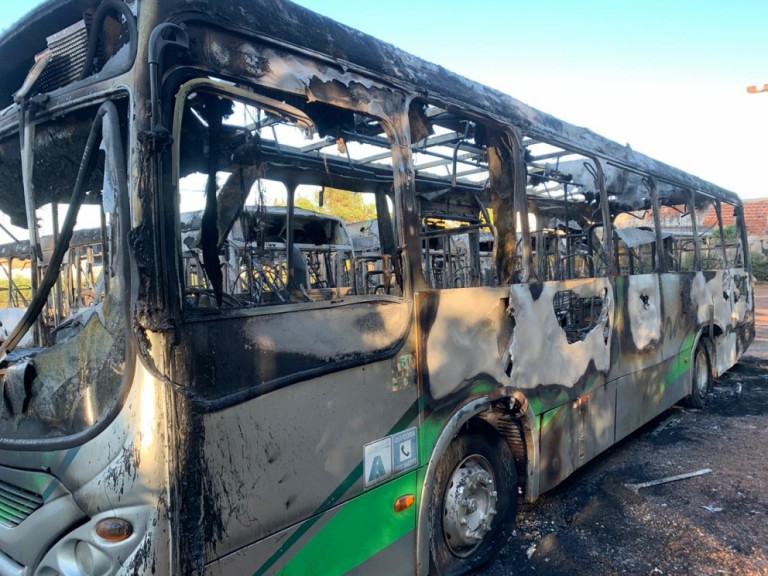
(463, 336)
(561, 346)
(679, 319)
(291, 454)
(576, 432)
(735, 314)
(552, 341)
(361, 536)
(644, 395)
(639, 327)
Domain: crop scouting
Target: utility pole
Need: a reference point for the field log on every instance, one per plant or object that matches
(756, 90)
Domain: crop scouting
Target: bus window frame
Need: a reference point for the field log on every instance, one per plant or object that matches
(521, 181)
(225, 89)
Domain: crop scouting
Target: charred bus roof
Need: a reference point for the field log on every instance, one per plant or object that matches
(20, 43)
(288, 24)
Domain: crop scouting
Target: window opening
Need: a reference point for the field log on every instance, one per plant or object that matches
(275, 195)
(564, 213)
(454, 191)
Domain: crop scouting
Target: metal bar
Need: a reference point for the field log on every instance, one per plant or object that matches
(438, 140)
(568, 261)
(453, 231)
(695, 231)
(289, 263)
(375, 157)
(606, 214)
(552, 155)
(661, 261)
(521, 205)
(444, 161)
(719, 212)
(27, 135)
(327, 141)
(59, 315)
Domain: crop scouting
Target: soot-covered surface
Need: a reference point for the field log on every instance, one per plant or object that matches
(716, 523)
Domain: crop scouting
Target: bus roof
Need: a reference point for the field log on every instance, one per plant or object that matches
(290, 24)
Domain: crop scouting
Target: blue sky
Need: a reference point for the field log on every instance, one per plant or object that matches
(668, 77)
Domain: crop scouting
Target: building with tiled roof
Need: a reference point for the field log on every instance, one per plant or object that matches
(755, 217)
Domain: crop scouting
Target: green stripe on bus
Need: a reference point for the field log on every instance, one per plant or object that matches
(63, 467)
(335, 496)
(433, 425)
(363, 527)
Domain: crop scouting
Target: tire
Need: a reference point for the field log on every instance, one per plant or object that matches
(475, 497)
(701, 377)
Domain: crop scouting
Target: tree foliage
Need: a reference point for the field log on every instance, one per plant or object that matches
(349, 206)
(729, 230)
(760, 266)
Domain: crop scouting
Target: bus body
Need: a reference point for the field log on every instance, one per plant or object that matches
(244, 393)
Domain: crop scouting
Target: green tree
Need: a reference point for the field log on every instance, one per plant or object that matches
(729, 230)
(349, 206)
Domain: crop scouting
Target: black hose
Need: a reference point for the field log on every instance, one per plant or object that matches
(96, 27)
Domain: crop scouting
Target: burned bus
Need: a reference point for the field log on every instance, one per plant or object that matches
(247, 394)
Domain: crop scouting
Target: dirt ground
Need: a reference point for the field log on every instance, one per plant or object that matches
(715, 523)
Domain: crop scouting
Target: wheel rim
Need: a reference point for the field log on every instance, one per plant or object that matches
(469, 506)
(701, 376)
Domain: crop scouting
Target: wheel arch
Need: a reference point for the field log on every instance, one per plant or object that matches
(705, 337)
(486, 415)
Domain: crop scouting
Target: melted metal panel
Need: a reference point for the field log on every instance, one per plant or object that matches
(722, 300)
(462, 342)
(644, 311)
(539, 335)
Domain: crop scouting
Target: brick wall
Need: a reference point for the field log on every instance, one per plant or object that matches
(755, 216)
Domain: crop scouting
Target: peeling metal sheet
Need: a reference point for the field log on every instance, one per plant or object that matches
(540, 352)
(463, 340)
(644, 307)
(634, 237)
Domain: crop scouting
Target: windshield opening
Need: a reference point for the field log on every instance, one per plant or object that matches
(62, 339)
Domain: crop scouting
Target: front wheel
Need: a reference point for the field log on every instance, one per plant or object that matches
(474, 497)
(702, 377)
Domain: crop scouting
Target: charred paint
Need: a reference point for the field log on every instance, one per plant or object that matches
(644, 312)
(463, 340)
(536, 291)
(566, 362)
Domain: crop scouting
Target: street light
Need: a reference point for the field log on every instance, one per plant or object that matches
(756, 90)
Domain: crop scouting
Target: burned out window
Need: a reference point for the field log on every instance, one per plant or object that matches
(455, 200)
(710, 240)
(63, 331)
(83, 281)
(680, 232)
(731, 236)
(576, 315)
(634, 225)
(634, 243)
(282, 202)
(565, 216)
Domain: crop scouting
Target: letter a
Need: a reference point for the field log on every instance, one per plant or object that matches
(377, 469)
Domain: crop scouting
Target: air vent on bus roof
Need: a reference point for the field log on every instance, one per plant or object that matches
(69, 48)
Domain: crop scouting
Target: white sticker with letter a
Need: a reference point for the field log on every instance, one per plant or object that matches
(378, 461)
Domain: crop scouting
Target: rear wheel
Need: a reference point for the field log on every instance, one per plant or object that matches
(702, 377)
(475, 496)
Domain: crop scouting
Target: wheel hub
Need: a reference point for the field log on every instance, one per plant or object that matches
(470, 505)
